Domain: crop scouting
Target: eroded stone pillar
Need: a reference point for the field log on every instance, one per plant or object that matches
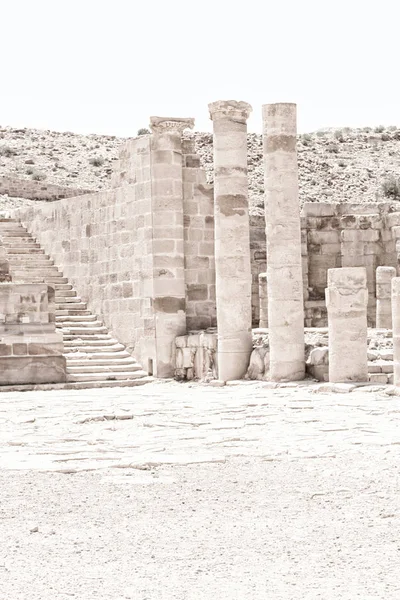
(284, 261)
(384, 276)
(166, 243)
(346, 301)
(232, 238)
(396, 329)
(263, 296)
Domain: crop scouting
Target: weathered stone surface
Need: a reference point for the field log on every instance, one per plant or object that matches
(346, 300)
(30, 348)
(16, 370)
(232, 238)
(284, 261)
(384, 276)
(175, 124)
(263, 295)
(196, 356)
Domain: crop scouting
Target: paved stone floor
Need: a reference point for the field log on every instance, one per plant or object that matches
(183, 491)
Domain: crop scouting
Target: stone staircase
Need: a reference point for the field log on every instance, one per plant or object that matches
(94, 358)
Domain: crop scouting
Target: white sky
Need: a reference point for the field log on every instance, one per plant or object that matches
(101, 66)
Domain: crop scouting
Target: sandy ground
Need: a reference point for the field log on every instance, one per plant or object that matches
(185, 492)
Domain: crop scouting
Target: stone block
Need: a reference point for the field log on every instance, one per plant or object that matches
(16, 370)
(367, 235)
(319, 209)
(393, 219)
(197, 292)
(378, 378)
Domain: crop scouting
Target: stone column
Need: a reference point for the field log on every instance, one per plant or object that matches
(346, 301)
(167, 289)
(384, 276)
(396, 329)
(263, 295)
(232, 237)
(284, 261)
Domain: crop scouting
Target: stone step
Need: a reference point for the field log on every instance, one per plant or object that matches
(76, 319)
(56, 279)
(71, 306)
(95, 340)
(109, 376)
(36, 271)
(109, 368)
(33, 263)
(66, 294)
(15, 234)
(82, 329)
(68, 300)
(81, 385)
(27, 251)
(62, 286)
(72, 313)
(105, 351)
(88, 360)
(28, 256)
(20, 243)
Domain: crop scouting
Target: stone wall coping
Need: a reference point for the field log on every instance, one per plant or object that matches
(171, 124)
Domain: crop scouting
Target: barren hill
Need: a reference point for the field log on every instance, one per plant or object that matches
(346, 165)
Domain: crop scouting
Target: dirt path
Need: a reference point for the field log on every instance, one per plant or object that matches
(298, 499)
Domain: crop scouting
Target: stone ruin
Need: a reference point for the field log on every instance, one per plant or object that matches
(176, 279)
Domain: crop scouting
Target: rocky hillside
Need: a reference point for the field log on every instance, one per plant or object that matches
(346, 165)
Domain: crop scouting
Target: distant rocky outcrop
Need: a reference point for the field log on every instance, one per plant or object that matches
(338, 165)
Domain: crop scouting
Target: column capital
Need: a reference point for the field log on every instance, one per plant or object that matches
(170, 124)
(230, 109)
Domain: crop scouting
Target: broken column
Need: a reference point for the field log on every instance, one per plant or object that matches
(384, 276)
(346, 301)
(232, 238)
(396, 329)
(284, 261)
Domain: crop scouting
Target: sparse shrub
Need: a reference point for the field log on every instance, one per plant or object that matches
(30, 171)
(320, 133)
(7, 151)
(96, 161)
(143, 131)
(339, 135)
(391, 187)
(392, 127)
(367, 129)
(306, 139)
(37, 176)
(379, 129)
(333, 149)
(342, 163)
(385, 137)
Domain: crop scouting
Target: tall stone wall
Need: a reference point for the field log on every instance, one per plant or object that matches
(198, 219)
(336, 235)
(142, 254)
(345, 235)
(37, 190)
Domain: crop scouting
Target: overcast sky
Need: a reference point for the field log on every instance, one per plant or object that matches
(101, 66)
